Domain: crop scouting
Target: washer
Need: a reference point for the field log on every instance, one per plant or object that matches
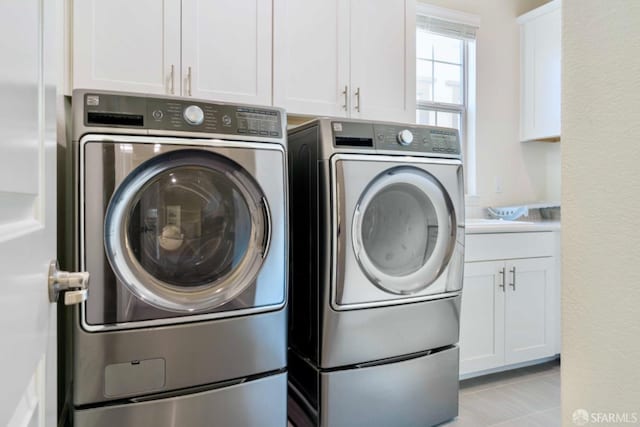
(179, 214)
(377, 254)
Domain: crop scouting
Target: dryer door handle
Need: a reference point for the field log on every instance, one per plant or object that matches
(267, 227)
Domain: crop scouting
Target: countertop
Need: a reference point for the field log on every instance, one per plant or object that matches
(481, 225)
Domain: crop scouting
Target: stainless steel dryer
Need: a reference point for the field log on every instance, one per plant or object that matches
(178, 210)
(377, 253)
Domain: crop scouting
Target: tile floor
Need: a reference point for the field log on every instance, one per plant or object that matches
(526, 397)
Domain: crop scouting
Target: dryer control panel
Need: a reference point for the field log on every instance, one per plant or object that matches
(396, 137)
(185, 115)
(424, 139)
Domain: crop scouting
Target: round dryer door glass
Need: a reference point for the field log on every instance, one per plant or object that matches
(403, 230)
(187, 231)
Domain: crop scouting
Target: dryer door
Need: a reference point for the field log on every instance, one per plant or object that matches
(187, 231)
(403, 230)
(397, 229)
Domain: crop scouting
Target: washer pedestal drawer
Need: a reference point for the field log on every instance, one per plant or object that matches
(422, 391)
(260, 402)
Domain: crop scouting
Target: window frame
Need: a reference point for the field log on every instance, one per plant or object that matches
(465, 109)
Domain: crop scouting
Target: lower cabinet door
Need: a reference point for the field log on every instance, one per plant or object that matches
(482, 317)
(529, 309)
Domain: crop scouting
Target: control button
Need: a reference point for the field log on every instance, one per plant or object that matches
(242, 131)
(380, 136)
(253, 132)
(405, 137)
(157, 115)
(274, 133)
(264, 132)
(226, 120)
(193, 115)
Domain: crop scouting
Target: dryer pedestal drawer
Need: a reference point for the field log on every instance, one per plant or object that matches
(420, 391)
(261, 402)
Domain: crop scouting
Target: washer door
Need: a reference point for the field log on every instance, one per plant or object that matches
(187, 231)
(403, 230)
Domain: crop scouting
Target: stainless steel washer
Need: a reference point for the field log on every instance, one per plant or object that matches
(179, 213)
(377, 253)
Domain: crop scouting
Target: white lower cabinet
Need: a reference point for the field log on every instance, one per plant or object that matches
(508, 313)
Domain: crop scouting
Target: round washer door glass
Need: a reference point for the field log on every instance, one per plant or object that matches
(187, 231)
(403, 230)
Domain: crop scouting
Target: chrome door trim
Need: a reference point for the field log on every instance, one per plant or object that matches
(165, 295)
(144, 139)
(338, 234)
(441, 252)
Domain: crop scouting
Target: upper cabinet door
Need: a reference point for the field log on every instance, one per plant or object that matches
(226, 50)
(540, 44)
(311, 56)
(127, 45)
(383, 58)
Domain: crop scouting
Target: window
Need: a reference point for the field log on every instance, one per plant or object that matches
(445, 86)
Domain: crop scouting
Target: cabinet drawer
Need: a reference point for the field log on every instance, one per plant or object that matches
(484, 247)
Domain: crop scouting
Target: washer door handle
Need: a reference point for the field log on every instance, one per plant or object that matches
(267, 227)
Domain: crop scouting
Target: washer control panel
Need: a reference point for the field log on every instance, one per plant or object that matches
(124, 111)
(424, 139)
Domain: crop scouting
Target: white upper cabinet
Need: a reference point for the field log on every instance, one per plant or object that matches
(311, 56)
(210, 49)
(540, 55)
(226, 50)
(349, 58)
(383, 58)
(127, 45)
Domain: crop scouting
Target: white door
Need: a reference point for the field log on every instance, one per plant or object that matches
(482, 316)
(127, 45)
(529, 310)
(311, 56)
(226, 50)
(27, 212)
(383, 58)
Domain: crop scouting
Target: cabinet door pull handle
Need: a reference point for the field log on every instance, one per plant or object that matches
(513, 277)
(502, 280)
(357, 107)
(345, 93)
(172, 88)
(189, 81)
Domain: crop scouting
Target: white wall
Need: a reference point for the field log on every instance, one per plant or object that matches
(601, 207)
(528, 171)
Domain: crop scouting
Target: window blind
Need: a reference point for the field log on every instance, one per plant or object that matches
(446, 28)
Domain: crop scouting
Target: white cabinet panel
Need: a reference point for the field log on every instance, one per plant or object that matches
(529, 310)
(383, 59)
(127, 45)
(311, 56)
(510, 300)
(482, 317)
(226, 50)
(540, 56)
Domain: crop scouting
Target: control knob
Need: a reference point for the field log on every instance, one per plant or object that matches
(193, 115)
(405, 137)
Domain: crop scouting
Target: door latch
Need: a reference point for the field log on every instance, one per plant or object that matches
(74, 286)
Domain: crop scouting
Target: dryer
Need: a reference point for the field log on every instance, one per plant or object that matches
(377, 254)
(178, 211)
